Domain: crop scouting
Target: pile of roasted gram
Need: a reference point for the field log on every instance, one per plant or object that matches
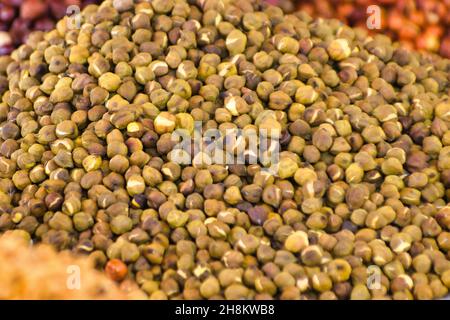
(357, 210)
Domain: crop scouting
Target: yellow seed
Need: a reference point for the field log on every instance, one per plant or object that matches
(92, 163)
(17, 217)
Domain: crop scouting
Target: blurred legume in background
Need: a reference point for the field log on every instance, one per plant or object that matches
(419, 24)
(19, 17)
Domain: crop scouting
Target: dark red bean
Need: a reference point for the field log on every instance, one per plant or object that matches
(7, 13)
(44, 24)
(32, 9)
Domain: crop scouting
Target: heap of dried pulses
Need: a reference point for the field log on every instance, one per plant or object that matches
(358, 207)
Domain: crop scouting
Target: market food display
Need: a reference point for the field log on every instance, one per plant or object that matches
(361, 184)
